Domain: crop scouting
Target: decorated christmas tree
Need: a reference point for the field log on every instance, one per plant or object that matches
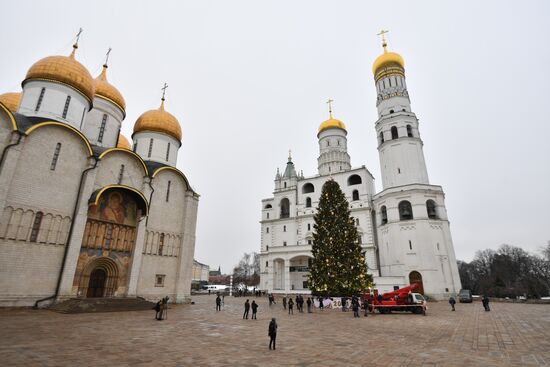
(338, 266)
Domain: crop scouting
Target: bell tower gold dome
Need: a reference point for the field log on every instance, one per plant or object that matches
(64, 70)
(105, 90)
(331, 123)
(11, 100)
(159, 121)
(389, 63)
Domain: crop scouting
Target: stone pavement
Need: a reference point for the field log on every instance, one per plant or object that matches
(195, 335)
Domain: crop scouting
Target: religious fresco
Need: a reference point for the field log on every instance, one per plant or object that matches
(116, 207)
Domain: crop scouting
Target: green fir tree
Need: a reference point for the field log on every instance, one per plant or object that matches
(338, 266)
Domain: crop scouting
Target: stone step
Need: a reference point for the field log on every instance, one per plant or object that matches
(88, 305)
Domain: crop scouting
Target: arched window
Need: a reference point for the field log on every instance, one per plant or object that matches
(354, 180)
(307, 188)
(66, 108)
(409, 131)
(384, 214)
(308, 202)
(36, 226)
(40, 99)
(394, 134)
(381, 137)
(102, 128)
(161, 244)
(285, 208)
(355, 195)
(405, 210)
(431, 209)
(284, 228)
(284, 184)
(55, 156)
(268, 206)
(150, 148)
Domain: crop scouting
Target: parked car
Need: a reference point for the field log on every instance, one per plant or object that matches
(465, 296)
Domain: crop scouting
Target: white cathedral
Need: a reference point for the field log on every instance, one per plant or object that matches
(404, 229)
(82, 212)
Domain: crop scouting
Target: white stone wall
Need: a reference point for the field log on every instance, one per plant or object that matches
(53, 102)
(92, 125)
(142, 142)
(110, 166)
(6, 129)
(333, 152)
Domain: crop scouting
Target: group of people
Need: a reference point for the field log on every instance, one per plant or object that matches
(484, 301)
(355, 305)
(247, 307)
(161, 308)
(299, 304)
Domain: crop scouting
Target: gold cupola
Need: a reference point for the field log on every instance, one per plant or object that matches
(105, 90)
(331, 123)
(388, 63)
(63, 70)
(123, 142)
(11, 100)
(159, 121)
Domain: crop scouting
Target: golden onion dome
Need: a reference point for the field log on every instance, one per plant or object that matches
(387, 59)
(105, 90)
(64, 70)
(160, 121)
(11, 100)
(331, 123)
(123, 142)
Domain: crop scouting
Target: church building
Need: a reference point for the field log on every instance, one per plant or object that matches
(404, 229)
(84, 212)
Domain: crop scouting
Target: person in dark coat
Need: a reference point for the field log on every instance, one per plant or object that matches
(321, 306)
(284, 302)
(290, 306)
(485, 301)
(157, 309)
(366, 306)
(272, 332)
(254, 309)
(246, 309)
(218, 303)
(452, 302)
(308, 302)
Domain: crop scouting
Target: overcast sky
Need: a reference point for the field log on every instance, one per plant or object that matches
(248, 80)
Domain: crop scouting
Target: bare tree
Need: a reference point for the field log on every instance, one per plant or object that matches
(247, 271)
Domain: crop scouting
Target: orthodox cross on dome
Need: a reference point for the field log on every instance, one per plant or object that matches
(107, 56)
(290, 155)
(329, 102)
(381, 34)
(75, 45)
(164, 90)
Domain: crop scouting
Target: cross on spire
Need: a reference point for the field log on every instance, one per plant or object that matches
(381, 34)
(164, 90)
(329, 102)
(289, 155)
(75, 45)
(107, 56)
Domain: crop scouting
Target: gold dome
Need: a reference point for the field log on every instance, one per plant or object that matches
(159, 121)
(123, 142)
(107, 91)
(387, 59)
(64, 70)
(331, 123)
(11, 100)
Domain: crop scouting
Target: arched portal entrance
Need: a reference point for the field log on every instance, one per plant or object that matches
(416, 277)
(96, 285)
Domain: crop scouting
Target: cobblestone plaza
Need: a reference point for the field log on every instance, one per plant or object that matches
(195, 335)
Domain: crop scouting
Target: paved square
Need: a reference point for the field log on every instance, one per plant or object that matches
(195, 335)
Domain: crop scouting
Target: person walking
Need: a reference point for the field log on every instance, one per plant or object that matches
(355, 306)
(272, 332)
(254, 309)
(284, 301)
(308, 302)
(218, 303)
(157, 309)
(485, 301)
(246, 309)
(366, 306)
(297, 303)
(301, 303)
(321, 306)
(290, 306)
(452, 302)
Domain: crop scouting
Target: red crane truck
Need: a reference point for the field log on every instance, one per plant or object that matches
(403, 299)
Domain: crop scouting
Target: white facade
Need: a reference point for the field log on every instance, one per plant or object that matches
(403, 243)
(156, 146)
(103, 123)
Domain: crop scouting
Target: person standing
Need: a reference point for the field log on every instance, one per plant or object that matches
(284, 301)
(485, 301)
(246, 309)
(290, 306)
(218, 303)
(366, 306)
(272, 333)
(157, 309)
(321, 306)
(301, 303)
(452, 302)
(254, 309)
(355, 306)
(308, 305)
